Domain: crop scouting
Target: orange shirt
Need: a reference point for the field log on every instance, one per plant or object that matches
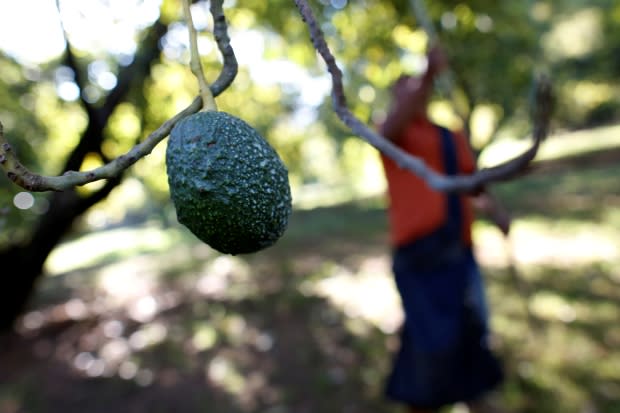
(415, 210)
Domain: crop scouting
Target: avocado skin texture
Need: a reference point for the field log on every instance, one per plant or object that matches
(228, 185)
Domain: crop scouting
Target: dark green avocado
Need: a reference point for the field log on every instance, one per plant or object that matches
(228, 185)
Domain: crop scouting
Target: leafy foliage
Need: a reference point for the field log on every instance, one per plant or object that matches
(18, 97)
(493, 47)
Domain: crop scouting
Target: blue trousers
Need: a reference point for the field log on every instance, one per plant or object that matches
(444, 356)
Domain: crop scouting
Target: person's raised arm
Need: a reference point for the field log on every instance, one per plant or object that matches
(410, 96)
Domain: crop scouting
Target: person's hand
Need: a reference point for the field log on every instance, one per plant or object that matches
(409, 100)
(502, 220)
(405, 89)
(492, 208)
(409, 89)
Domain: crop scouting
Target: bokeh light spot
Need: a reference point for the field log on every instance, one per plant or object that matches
(23, 200)
(68, 91)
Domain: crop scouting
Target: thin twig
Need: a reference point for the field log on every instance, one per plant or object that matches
(194, 63)
(30, 181)
(458, 183)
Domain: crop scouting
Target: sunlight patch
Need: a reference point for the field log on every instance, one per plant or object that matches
(576, 36)
(128, 280)
(147, 336)
(94, 247)
(220, 274)
(144, 309)
(368, 294)
(76, 309)
(224, 373)
(552, 307)
(127, 370)
(550, 242)
(204, 338)
(115, 351)
(33, 320)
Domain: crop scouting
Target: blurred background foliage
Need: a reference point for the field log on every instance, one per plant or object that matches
(283, 90)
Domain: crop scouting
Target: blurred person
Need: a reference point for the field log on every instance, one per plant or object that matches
(444, 354)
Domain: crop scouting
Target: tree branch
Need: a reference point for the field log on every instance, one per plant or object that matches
(220, 32)
(92, 136)
(458, 183)
(31, 181)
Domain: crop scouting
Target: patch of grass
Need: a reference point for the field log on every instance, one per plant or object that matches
(558, 145)
(584, 195)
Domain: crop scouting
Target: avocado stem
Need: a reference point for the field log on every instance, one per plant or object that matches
(208, 101)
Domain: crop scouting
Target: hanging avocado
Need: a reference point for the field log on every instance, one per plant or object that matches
(229, 187)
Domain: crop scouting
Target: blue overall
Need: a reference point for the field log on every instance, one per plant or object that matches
(444, 356)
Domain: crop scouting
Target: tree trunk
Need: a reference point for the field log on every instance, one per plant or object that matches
(21, 266)
(19, 276)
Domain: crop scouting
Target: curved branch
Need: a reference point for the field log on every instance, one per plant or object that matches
(31, 181)
(220, 32)
(459, 183)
